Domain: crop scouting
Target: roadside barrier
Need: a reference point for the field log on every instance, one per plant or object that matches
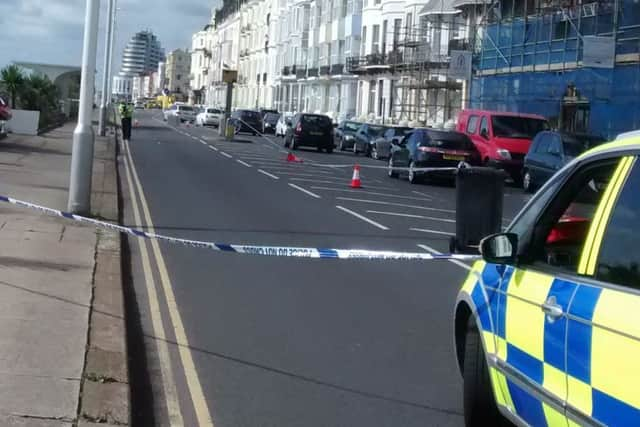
(279, 251)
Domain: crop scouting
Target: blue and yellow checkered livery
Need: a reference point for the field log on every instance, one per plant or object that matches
(580, 368)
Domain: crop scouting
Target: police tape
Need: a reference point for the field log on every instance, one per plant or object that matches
(278, 251)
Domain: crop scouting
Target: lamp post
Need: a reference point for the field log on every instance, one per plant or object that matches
(106, 72)
(83, 136)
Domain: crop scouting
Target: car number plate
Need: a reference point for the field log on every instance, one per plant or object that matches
(316, 133)
(450, 157)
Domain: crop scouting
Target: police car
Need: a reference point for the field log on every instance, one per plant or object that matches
(547, 324)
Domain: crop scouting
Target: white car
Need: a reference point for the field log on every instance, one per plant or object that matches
(209, 117)
(281, 126)
(185, 113)
(628, 134)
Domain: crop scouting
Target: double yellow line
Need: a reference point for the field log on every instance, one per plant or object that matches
(200, 406)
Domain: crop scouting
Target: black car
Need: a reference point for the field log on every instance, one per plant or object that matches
(248, 121)
(309, 130)
(431, 148)
(365, 136)
(345, 134)
(269, 122)
(381, 147)
(549, 152)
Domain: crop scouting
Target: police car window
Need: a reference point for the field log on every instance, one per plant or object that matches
(619, 259)
(561, 231)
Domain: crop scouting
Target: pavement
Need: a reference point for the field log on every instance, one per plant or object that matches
(63, 355)
(237, 340)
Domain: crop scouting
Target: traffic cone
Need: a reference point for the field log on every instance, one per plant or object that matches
(136, 123)
(355, 181)
(292, 158)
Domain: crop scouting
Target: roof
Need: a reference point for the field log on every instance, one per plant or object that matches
(460, 3)
(438, 7)
(505, 113)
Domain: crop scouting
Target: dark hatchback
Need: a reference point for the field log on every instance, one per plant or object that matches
(345, 134)
(430, 148)
(549, 152)
(381, 147)
(310, 130)
(365, 136)
(248, 121)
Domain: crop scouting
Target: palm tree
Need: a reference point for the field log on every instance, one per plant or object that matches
(12, 78)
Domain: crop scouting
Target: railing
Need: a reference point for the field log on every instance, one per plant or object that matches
(325, 70)
(286, 71)
(337, 69)
(312, 72)
(301, 72)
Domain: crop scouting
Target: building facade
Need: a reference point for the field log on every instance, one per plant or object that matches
(177, 74)
(141, 56)
(576, 63)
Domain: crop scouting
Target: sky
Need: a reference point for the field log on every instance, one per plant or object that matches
(51, 31)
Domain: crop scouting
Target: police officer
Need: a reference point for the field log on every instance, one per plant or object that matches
(126, 113)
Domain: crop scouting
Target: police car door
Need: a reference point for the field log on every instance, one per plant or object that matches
(603, 345)
(532, 314)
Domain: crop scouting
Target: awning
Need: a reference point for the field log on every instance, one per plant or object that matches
(461, 3)
(438, 7)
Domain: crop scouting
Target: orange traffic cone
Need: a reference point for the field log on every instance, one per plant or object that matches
(292, 158)
(355, 181)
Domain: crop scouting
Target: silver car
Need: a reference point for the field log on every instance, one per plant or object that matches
(209, 117)
(381, 146)
(184, 113)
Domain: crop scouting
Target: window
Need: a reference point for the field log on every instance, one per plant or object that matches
(543, 143)
(555, 147)
(619, 260)
(517, 127)
(559, 235)
(397, 24)
(375, 39)
(472, 125)
(408, 22)
(384, 36)
(484, 126)
(364, 39)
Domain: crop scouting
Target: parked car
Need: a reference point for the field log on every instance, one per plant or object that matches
(381, 146)
(431, 148)
(281, 126)
(5, 111)
(185, 113)
(365, 136)
(310, 130)
(248, 121)
(503, 139)
(269, 122)
(209, 117)
(345, 134)
(549, 152)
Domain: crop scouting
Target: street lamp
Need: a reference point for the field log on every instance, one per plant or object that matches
(83, 136)
(106, 73)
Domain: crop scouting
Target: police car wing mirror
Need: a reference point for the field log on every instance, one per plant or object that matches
(501, 248)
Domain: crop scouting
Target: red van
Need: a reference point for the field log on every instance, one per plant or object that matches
(502, 138)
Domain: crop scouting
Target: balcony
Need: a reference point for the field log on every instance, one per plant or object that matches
(286, 71)
(337, 69)
(312, 72)
(459, 44)
(301, 72)
(373, 63)
(325, 70)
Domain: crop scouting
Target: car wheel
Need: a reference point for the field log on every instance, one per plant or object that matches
(478, 400)
(390, 171)
(329, 150)
(368, 151)
(527, 184)
(319, 149)
(413, 176)
(517, 179)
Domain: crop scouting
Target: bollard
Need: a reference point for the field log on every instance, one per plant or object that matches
(229, 131)
(479, 198)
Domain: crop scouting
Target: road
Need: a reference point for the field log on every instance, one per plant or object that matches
(238, 340)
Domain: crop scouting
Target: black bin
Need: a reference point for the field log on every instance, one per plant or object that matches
(479, 194)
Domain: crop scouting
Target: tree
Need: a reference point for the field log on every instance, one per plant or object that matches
(12, 78)
(39, 93)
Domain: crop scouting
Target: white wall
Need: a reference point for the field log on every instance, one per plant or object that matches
(24, 122)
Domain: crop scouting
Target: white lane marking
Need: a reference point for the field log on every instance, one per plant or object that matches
(243, 163)
(194, 386)
(166, 370)
(299, 168)
(373, 193)
(454, 261)
(350, 199)
(320, 181)
(203, 141)
(298, 174)
(268, 174)
(304, 191)
(420, 193)
(426, 230)
(362, 217)
(430, 218)
(226, 155)
(213, 148)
